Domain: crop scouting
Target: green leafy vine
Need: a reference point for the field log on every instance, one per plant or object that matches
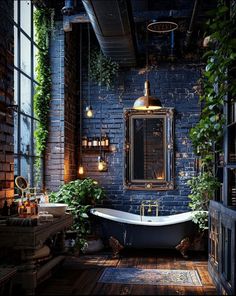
(43, 26)
(102, 69)
(207, 134)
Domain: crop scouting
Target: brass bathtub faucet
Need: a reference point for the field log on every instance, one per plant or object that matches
(149, 204)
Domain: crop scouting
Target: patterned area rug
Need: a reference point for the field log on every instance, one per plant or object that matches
(150, 276)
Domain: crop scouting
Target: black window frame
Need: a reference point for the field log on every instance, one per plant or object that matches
(30, 156)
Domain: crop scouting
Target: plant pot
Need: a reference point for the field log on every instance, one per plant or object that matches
(71, 234)
(93, 245)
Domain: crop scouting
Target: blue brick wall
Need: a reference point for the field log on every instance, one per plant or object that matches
(61, 153)
(54, 158)
(173, 85)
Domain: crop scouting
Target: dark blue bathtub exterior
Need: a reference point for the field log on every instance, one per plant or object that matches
(142, 236)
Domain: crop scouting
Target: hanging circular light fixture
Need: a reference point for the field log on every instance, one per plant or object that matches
(162, 26)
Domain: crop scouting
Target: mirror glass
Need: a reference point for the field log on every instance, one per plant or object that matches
(148, 155)
(21, 183)
(149, 149)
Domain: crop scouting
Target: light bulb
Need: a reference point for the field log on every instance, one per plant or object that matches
(102, 165)
(81, 170)
(89, 111)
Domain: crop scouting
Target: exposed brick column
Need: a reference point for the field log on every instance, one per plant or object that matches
(54, 158)
(61, 153)
(71, 104)
(6, 99)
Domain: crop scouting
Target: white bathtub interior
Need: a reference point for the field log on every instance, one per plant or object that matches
(129, 218)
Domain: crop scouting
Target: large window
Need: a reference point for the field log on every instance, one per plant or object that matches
(25, 50)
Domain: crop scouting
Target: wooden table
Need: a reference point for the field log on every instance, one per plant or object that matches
(27, 240)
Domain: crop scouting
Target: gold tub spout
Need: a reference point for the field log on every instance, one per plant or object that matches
(149, 204)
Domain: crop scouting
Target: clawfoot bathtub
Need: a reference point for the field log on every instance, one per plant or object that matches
(149, 232)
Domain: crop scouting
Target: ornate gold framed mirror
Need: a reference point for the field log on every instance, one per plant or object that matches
(149, 163)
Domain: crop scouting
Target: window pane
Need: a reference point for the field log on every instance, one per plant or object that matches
(15, 11)
(25, 134)
(34, 31)
(25, 16)
(16, 73)
(25, 169)
(16, 166)
(15, 47)
(15, 132)
(25, 95)
(25, 47)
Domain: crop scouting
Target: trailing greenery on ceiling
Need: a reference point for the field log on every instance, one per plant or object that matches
(102, 69)
(218, 86)
(43, 25)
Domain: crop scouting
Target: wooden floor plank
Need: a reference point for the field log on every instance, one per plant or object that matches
(80, 275)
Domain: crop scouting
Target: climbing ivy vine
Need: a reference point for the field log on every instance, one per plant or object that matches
(207, 134)
(43, 25)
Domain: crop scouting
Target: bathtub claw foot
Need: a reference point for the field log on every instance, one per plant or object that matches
(184, 255)
(184, 246)
(116, 246)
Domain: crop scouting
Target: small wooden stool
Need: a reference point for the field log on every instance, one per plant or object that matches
(6, 276)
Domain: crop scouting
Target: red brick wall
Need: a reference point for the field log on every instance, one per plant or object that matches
(6, 99)
(71, 85)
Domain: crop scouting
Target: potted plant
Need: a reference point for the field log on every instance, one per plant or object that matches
(80, 195)
(202, 187)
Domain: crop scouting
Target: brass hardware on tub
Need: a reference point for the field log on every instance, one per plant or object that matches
(148, 204)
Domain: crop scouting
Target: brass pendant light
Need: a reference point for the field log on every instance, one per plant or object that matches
(147, 102)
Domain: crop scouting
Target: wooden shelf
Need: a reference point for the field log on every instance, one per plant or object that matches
(95, 149)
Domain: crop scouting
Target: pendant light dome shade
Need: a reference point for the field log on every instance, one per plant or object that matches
(147, 102)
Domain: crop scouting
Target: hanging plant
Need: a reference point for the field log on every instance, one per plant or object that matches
(102, 69)
(43, 21)
(207, 134)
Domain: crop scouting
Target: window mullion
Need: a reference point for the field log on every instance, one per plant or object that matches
(19, 91)
(32, 98)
